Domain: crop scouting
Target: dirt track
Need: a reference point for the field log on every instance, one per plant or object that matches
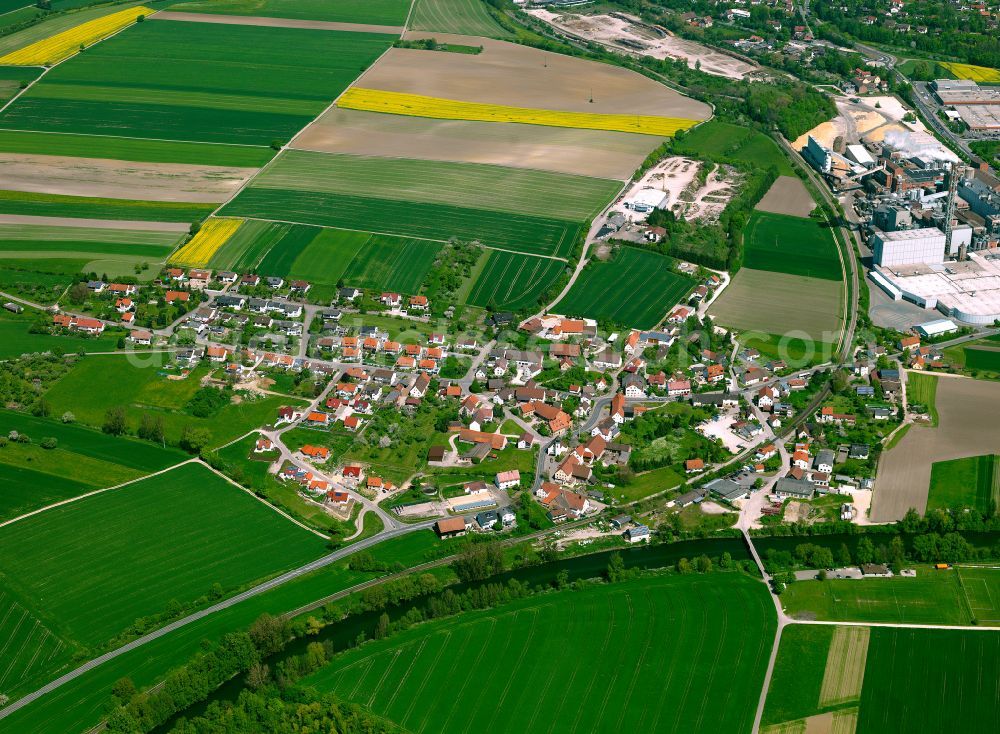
(49, 174)
(318, 25)
(509, 74)
(564, 150)
(967, 411)
(787, 195)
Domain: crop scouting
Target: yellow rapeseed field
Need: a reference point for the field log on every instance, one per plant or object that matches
(417, 105)
(213, 234)
(970, 71)
(63, 45)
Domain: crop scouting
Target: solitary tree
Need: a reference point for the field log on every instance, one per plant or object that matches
(115, 421)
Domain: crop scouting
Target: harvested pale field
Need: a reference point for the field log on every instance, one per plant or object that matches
(779, 303)
(787, 195)
(25, 219)
(967, 412)
(845, 666)
(101, 178)
(316, 25)
(598, 153)
(519, 76)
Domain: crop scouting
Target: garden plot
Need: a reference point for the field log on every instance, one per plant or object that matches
(599, 153)
(628, 34)
(520, 76)
(120, 179)
(967, 411)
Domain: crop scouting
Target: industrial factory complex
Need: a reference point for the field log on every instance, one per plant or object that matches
(931, 223)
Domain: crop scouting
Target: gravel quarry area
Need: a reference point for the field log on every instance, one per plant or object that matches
(628, 34)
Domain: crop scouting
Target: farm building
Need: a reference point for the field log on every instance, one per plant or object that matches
(452, 527)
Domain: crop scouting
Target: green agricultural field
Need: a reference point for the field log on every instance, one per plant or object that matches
(987, 360)
(725, 141)
(786, 244)
(462, 17)
(116, 250)
(981, 587)
(471, 185)
(127, 149)
(7, 6)
(932, 597)
(519, 209)
(12, 77)
(969, 482)
(176, 80)
(324, 261)
(294, 239)
(80, 704)
(911, 680)
(143, 549)
(16, 337)
(510, 281)
(632, 649)
(405, 219)
(245, 250)
(930, 680)
(85, 391)
(392, 263)
(86, 207)
(636, 288)
(798, 673)
(23, 489)
(31, 649)
(84, 459)
(379, 12)
(141, 455)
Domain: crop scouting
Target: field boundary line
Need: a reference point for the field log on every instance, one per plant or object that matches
(409, 14)
(896, 625)
(95, 492)
(246, 184)
(14, 10)
(123, 137)
(281, 512)
(343, 229)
